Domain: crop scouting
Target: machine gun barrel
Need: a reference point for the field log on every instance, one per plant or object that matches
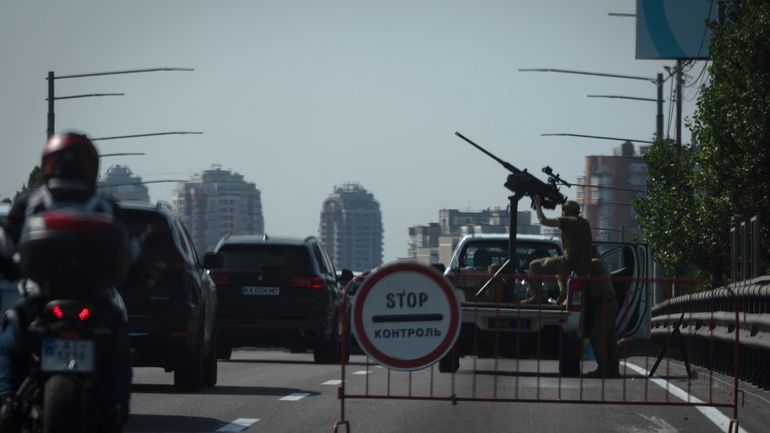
(507, 166)
(522, 183)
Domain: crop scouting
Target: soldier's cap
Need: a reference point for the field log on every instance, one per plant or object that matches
(571, 207)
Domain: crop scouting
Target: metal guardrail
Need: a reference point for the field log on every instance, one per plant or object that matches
(710, 324)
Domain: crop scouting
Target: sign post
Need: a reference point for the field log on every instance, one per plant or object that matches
(406, 316)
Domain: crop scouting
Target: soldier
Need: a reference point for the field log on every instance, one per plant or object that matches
(601, 309)
(576, 240)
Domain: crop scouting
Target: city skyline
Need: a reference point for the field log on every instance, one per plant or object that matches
(300, 96)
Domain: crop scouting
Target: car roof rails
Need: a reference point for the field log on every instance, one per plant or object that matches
(222, 240)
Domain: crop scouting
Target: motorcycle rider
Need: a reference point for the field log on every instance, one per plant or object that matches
(70, 166)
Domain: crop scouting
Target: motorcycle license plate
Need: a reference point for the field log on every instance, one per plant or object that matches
(62, 355)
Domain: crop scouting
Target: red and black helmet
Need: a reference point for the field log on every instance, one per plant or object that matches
(70, 156)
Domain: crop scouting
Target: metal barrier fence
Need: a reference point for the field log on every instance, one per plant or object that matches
(713, 321)
(504, 355)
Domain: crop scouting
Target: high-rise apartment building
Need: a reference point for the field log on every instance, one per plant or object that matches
(435, 242)
(351, 228)
(615, 181)
(215, 203)
(121, 184)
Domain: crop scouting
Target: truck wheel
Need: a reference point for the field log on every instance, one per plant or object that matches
(449, 363)
(569, 361)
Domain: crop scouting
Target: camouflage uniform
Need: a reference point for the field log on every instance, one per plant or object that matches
(576, 240)
(601, 309)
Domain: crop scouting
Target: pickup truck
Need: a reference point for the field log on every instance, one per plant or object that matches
(496, 324)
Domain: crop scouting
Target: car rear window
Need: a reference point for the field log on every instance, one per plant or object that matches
(138, 220)
(479, 255)
(265, 256)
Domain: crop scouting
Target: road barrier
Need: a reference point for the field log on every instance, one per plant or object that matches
(721, 330)
(712, 323)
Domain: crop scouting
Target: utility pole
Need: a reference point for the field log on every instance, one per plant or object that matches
(659, 116)
(51, 115)
(679, 86)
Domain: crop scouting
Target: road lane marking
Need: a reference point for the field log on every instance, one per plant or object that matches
(295, 396)
(238, 425)
(332, 382)
(713, 414)
(363, 372)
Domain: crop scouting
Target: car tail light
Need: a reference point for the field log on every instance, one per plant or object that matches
(57, 311)
(65, 221)
(84, 313)
(221, 280)
(308, 282)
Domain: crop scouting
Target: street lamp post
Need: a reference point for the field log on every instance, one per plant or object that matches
(657, 81)
(51, 94)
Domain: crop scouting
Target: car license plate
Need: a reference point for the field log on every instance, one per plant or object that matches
(260, 291)
(65, 355)
(515, 323)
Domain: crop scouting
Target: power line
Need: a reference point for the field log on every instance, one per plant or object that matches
(609, 187)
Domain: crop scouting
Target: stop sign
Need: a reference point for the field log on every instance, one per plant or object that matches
(406, 316)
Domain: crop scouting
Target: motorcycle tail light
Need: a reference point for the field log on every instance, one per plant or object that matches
(65, 221)
(84, 314)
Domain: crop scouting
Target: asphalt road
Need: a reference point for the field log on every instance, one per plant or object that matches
(274, 391)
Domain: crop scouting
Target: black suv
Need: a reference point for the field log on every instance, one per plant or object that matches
(276, 291)
(170, 298)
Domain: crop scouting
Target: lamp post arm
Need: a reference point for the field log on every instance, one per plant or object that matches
(596, 74)
(131, 71)
(144, 182)
(633, 98)
(88, 95)
(562, 134)
(146, 135)
(104, 155)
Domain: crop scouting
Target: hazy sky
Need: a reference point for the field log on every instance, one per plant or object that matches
(300, 96)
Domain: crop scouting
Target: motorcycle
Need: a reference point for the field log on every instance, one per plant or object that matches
(72, 322)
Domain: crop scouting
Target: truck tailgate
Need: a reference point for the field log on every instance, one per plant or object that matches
(514, 317)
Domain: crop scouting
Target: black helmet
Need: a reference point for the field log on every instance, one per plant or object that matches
(571, 208)
(70, 156)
